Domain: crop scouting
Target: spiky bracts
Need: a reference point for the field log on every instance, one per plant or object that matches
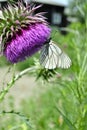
(22, 32)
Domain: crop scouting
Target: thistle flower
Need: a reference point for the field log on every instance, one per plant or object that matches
(23, 33)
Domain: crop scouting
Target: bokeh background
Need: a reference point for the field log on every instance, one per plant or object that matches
(61, 103)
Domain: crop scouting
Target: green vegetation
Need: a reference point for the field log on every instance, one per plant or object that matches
(60, 104)
(63, 105)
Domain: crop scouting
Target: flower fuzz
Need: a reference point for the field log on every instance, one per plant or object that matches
(26, 42)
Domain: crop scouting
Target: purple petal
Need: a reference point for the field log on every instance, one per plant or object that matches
(26, 43)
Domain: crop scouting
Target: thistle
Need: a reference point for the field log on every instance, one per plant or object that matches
(22, 32)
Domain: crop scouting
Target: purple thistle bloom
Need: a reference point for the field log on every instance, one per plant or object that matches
(27, 42)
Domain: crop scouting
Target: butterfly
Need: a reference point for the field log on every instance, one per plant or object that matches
(52, 57)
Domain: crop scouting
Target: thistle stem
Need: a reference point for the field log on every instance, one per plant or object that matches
(22, 116)
(13, 80)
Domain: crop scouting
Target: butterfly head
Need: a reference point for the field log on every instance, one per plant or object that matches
(48, 40)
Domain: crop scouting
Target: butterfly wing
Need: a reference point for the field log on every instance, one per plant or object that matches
(64, 61)
(49, 56)
(52, 57)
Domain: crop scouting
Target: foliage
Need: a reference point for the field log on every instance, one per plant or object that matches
(78, 8)
(60, 104)
(63, 105)
(12, 1)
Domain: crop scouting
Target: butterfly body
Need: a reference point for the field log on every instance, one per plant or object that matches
(53, 57)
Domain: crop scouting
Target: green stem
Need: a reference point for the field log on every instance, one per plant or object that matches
(22, 116)
(13, 80)
(70, 124)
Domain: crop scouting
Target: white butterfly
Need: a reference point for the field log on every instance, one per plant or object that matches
(52, 57)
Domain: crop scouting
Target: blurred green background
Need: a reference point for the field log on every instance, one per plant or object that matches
(61, 104)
